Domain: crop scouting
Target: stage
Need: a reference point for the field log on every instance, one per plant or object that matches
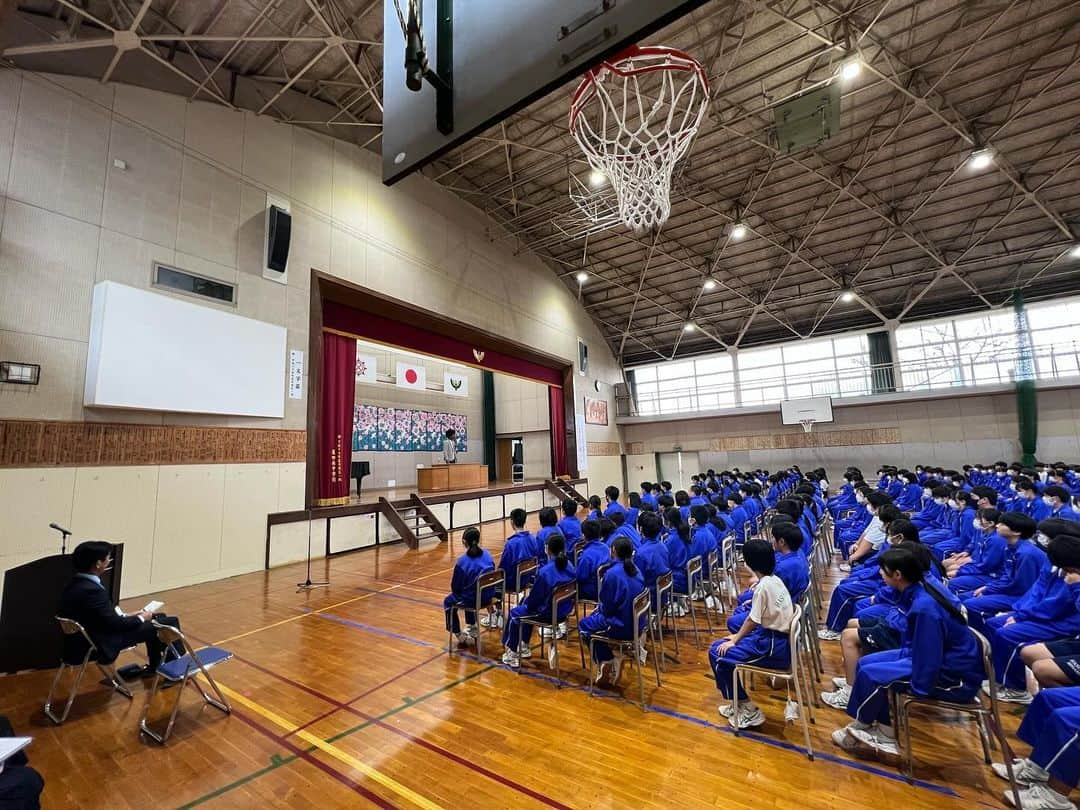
(381, 516)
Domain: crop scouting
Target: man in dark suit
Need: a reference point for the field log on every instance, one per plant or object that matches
(20, 785)
(86, 601)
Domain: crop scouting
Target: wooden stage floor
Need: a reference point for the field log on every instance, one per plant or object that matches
(402, 493)
(346, 697)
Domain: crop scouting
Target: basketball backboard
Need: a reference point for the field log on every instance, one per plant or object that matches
(504, 55)
(798, 411)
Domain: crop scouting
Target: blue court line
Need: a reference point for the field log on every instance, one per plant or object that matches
(602, 693)
(400, 596)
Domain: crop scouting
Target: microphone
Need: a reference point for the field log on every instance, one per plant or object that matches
(60, 529)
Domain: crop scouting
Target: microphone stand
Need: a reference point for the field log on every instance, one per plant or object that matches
(307, 584)
(64, 534)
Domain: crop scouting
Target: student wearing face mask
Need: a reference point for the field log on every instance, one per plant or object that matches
(985, 560)
(872, 537)
(966, 533)
(909, 499)
(1059, 500)
(847, 530)
(933, 520)
(1047, 612)
(1029, 501)
(1024, 561)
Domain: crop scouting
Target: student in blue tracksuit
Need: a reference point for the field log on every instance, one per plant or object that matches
(737, 517)
(611, 502)
(1030, 501)
(1047, 612)
(762, 639)
(702, 539)
(911, 493)
(964, 509)
(558, 571)
(697, 496)
(682, 503)
(1060, 502)
(652, 555)
(718, 521)
(622, 529)
(1049, 773)
(678, 548)
(614, 615)
(549, 525)
(986, 559)
(595, 508)
(595, 554)
(1023, 562)
(648, 495)
(938, 658)
(791, 567)
(633, 510)
(848, 530)
(569, 525)
(520, 546)
(470, 566)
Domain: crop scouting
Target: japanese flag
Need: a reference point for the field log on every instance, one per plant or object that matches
(411, 376)
(366, 368)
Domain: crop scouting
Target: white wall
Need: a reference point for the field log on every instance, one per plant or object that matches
(193, 195)
(522, 409)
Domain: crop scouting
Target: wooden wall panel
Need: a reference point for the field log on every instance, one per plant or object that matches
(603, 448)
(818, 438)
(27, 443)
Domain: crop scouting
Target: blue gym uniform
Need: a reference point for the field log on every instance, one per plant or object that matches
(519, 546)
(614, 616)
(540, 549)
(626, 531)
(613, 507)
(1051, 727)
(651, 559)
(702, 542)
(938, 658)
(595, 554)
(538, 604)
(467, 570)
(793, 572)
(570, 527)
(1023, 563)
(678, 554)
(987, 563)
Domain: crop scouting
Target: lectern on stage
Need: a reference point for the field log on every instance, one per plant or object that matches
(29, 635)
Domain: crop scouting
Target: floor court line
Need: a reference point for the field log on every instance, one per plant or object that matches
(332, 750)
(370, 720)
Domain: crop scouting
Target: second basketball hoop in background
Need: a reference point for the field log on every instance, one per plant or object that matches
(634, 116)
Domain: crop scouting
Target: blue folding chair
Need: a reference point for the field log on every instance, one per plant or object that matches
(179, 671)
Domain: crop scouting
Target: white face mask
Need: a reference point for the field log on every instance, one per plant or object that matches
(1001, 473)
(976, 524)
(954, 504)
(1041, 540)
(1048, 500)
(927, 493)
(1012, 487)
(860, 499)
(940, 501)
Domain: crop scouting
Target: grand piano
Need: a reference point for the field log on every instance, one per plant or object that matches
(358, 471)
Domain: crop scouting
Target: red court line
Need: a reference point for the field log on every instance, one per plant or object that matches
(412, 738)
(322, 766)
(375, 688)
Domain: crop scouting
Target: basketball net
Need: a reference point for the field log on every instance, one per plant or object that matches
(807, 425)
(635, 116)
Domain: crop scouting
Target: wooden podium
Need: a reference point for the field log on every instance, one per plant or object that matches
(446, 477)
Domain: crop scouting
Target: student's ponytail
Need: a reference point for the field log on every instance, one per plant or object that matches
(556, 546)
(684, 532)
(913, 569)
(624, 551)
(472, 542)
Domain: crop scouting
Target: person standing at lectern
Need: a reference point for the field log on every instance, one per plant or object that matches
(86, 601)
(449, 447)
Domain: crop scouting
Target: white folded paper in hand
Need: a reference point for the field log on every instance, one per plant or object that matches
(154, 606)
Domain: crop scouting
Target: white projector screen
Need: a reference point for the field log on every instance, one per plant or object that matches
(153, 352)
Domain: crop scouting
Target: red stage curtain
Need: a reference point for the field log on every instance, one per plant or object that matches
(558, 431)
(334, 434)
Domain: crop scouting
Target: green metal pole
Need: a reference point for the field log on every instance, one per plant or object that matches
(1027, 412)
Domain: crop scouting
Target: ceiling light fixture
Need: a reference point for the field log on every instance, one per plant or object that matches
(582, 277)
(981, 158)
(1075, 252)
(597, 178)
(847, 296)
(850, 69)
(688, 327)
(710, 284)
(738, 231)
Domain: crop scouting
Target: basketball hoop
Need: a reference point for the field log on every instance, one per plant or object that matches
(635, 116)
(807, 424)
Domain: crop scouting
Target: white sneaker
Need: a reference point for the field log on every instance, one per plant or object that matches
(511, 659)
(1040, 797)
(838, 699)
(825, 634)
(545, 632)
(792, 711)
(750, 716)
(524, 650)
(494, 620)
(839, 683)
(842, 737)
(465, 639)
(616, 668)
(552, 652)
(712, 603)
(564, 628)
(601, 671)
(845, 567)
(1026, 772)
(642, 654)
(876, 739)
(726, 710)
(1006, 695)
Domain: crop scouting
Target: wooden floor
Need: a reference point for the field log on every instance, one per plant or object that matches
(345, 696)
(371, 496)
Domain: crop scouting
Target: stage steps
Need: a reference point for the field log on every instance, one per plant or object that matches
(562, 490)
(413, 520)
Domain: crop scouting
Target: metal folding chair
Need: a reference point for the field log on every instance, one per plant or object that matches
(579, 546)
(984, 709)
(665, 589)
(69, 660)
(566, 592)
(179, 671)
(495, 582)
(525, 570)
(642, 616)
(693, 578)
(793, 674)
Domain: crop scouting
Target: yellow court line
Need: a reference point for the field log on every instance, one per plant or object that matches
(328, 607)
(332, 750)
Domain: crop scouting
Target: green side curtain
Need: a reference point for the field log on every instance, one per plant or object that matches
(489, 423)
(1026, 399)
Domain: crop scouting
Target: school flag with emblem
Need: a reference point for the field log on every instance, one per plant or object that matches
(455, 384)
(366, 368)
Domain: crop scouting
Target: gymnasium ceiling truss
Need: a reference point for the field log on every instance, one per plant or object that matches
(887, 221)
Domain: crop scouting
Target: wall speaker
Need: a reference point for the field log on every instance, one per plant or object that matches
(278, 237)
(583, 357)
